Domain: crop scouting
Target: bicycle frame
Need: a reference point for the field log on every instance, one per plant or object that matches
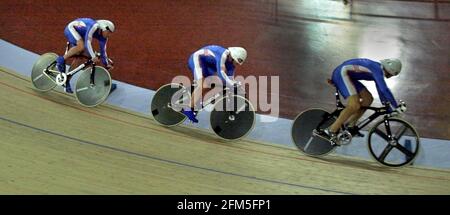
(225, 94)
(379, 111)
(74, 71)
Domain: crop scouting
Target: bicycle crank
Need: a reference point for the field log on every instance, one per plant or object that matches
(61, 79)
(344, 138)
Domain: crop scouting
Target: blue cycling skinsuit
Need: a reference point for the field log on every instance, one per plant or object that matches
(347, 75)
(211, 60)
(86, 29)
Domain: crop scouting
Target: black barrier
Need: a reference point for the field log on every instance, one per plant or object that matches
(223, 204)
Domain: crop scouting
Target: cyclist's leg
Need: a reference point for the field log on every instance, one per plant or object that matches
(349, 91)
(76, 44)
(351, 109)
(197, 71)
(366, 100)
(75, 40)
(200, 91)
(212, 84)
(196, 95)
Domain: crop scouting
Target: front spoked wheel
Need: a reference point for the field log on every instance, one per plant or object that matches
(393, 142)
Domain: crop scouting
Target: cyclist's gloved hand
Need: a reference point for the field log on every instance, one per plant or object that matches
(109, 64)
(400, 109)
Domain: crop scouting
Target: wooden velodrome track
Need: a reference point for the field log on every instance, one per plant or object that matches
(51, 145)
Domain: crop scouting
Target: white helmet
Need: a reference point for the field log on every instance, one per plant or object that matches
(393, 66)
(106, 25)
(238, 54)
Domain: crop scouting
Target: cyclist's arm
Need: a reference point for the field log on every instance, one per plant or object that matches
(196, 59)
(103, 54)
(221, 68)
(383, 90)
(88, 40)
